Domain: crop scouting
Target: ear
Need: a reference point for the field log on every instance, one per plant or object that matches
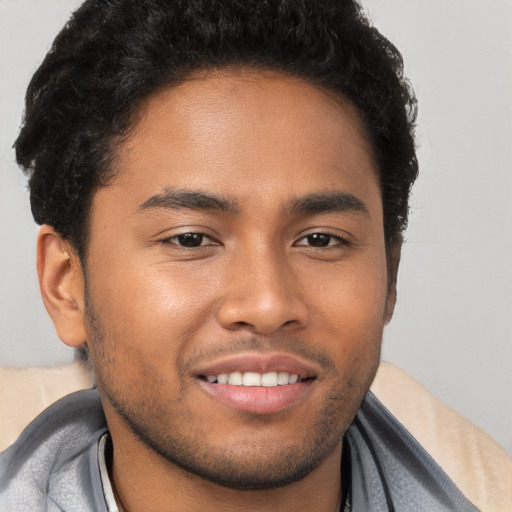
(61, 282)
(393, 253)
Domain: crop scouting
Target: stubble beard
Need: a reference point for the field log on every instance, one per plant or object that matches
(170, 431)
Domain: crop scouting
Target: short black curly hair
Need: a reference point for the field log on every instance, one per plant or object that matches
(112, 54)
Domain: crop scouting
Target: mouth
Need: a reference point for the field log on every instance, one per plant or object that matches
(258, 384)
(255, 379)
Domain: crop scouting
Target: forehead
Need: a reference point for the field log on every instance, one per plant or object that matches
(245, 133)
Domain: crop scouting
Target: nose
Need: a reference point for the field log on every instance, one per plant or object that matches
(262, 295)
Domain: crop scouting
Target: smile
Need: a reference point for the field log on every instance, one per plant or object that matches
(254, 379)
(258, 383)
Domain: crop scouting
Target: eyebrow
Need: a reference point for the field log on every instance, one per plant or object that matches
(194, 200)
(328, 202)
(310, 204)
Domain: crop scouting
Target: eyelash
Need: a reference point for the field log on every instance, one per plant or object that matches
(340, 241)
(190, 234)
(193, 236)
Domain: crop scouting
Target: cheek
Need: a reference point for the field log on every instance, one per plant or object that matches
(351, 316)
(156, 310)
(349, 303)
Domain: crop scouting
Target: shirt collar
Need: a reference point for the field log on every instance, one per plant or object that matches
(105, 478)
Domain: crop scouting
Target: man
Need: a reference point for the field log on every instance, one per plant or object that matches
(222, 189)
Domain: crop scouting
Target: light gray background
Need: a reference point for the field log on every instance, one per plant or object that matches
(453, 325)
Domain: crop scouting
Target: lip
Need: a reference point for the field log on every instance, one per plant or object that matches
(259, 399)
(260, 363)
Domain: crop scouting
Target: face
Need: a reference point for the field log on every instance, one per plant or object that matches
(236, 278)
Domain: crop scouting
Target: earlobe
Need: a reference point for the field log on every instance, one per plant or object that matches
(393, 262)
(61, 282)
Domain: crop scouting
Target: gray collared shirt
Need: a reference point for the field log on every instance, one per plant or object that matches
(58, 464)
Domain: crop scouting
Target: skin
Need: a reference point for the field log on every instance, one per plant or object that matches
(152, 311)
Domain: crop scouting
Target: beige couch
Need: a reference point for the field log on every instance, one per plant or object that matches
(479, 467)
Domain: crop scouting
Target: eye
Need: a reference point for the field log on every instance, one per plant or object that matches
(321, 240)
(189, 240)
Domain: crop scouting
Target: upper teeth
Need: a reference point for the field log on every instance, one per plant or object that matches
(269, 380)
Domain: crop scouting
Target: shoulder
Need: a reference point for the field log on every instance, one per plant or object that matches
(473, 461)
(26, 392)
(53, 464)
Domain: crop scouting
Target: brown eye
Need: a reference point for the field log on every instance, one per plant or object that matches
(319, 239)
(190, 239)
(322, 241)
